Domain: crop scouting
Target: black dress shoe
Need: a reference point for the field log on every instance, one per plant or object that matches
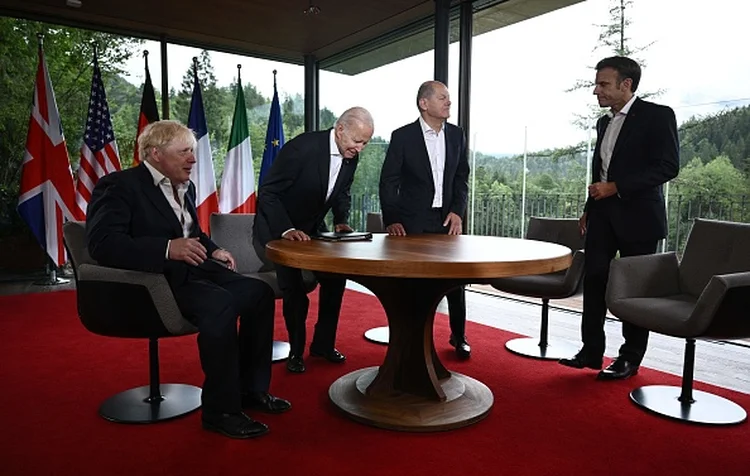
(463, 349)
(620, 369)
(332, 355)
(295, 364)
(233, 425)
(581, 361)
(265, 402)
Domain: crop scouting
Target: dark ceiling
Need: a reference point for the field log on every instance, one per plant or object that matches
(273, 29)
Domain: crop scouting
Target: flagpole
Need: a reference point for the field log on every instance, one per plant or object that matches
(51, 269)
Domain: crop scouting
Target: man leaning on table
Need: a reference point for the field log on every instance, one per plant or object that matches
(312, 174)
(424, 185)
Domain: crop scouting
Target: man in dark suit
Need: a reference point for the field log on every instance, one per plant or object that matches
(637, 151)
(424, 185)
(144, 219)
(311, 175)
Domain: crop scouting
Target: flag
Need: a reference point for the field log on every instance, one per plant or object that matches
(237, 193)
(46, 196)
(149, 111)
(202, 175)
(274, 135)
(99, 154)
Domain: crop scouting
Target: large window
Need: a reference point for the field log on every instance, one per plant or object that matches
(389, 92)
(532, 103)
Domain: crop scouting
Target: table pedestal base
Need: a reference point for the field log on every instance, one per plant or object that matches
(467, 401)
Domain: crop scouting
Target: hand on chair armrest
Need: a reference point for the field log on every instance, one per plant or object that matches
(643, 276)
(95, 272)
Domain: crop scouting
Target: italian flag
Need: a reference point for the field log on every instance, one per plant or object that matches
(237, 193)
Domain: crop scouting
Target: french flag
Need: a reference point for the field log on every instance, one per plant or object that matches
(202, 175)
(46, 196)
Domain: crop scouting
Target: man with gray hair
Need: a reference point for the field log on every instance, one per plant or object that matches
(311, 175)
(144, 219)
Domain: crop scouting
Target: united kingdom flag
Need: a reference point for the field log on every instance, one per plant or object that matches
(47, 197)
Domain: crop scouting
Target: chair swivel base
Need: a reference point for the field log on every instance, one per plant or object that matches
(378, 335)
(280, 351)
(529, 347)
(130, 406)
(707, 409)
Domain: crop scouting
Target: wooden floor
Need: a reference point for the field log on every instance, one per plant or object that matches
(726, 364)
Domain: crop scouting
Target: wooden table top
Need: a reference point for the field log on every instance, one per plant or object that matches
(424, 256)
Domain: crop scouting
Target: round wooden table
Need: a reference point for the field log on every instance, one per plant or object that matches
(412, 390)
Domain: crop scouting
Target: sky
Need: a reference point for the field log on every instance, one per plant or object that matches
(520, 73)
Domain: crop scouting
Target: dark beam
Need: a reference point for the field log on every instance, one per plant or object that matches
(464, 67)
(312, 90)
(442, 37)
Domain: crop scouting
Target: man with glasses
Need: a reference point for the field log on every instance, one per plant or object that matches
(312, 174)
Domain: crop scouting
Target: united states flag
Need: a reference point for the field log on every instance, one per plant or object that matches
(46, 196)
(99, 154)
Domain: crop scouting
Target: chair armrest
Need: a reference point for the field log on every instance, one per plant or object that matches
(643, 276)
(155, 283)
(721, 310)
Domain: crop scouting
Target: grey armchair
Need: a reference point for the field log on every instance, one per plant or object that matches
(706, 295)
(547, 286)
(123, 303)
(234, 232)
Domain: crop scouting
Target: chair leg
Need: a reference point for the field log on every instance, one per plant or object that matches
(153, 402)
(686, 404)
(542, 349)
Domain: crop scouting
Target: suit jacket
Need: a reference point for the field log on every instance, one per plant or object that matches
(293, 194)
(406, 184)
(646, 155)
(130, 222)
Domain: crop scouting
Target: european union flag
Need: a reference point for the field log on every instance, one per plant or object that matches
(274, 135)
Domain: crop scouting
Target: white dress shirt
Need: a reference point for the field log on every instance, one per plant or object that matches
(610, 137)
(335, 167)
(435, 143)
(175, 195)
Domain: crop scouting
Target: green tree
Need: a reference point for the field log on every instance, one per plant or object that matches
(717, 181)
(68, 53)
(613, 40)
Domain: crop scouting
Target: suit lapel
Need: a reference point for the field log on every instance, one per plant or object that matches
(324, 164)
(421, 154)
(601, 128)
(154, 193)
(627, 127)
(451, 159)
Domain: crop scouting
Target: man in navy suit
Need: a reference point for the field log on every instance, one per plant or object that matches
(312, 174)
(637, 151)
(144, 219)
(424, 185)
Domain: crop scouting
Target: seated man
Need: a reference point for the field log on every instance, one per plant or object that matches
(144, 219)
(312, 175)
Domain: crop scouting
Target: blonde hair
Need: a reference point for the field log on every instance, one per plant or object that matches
(161, 134)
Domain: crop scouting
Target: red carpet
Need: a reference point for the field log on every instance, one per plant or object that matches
(547, 420)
